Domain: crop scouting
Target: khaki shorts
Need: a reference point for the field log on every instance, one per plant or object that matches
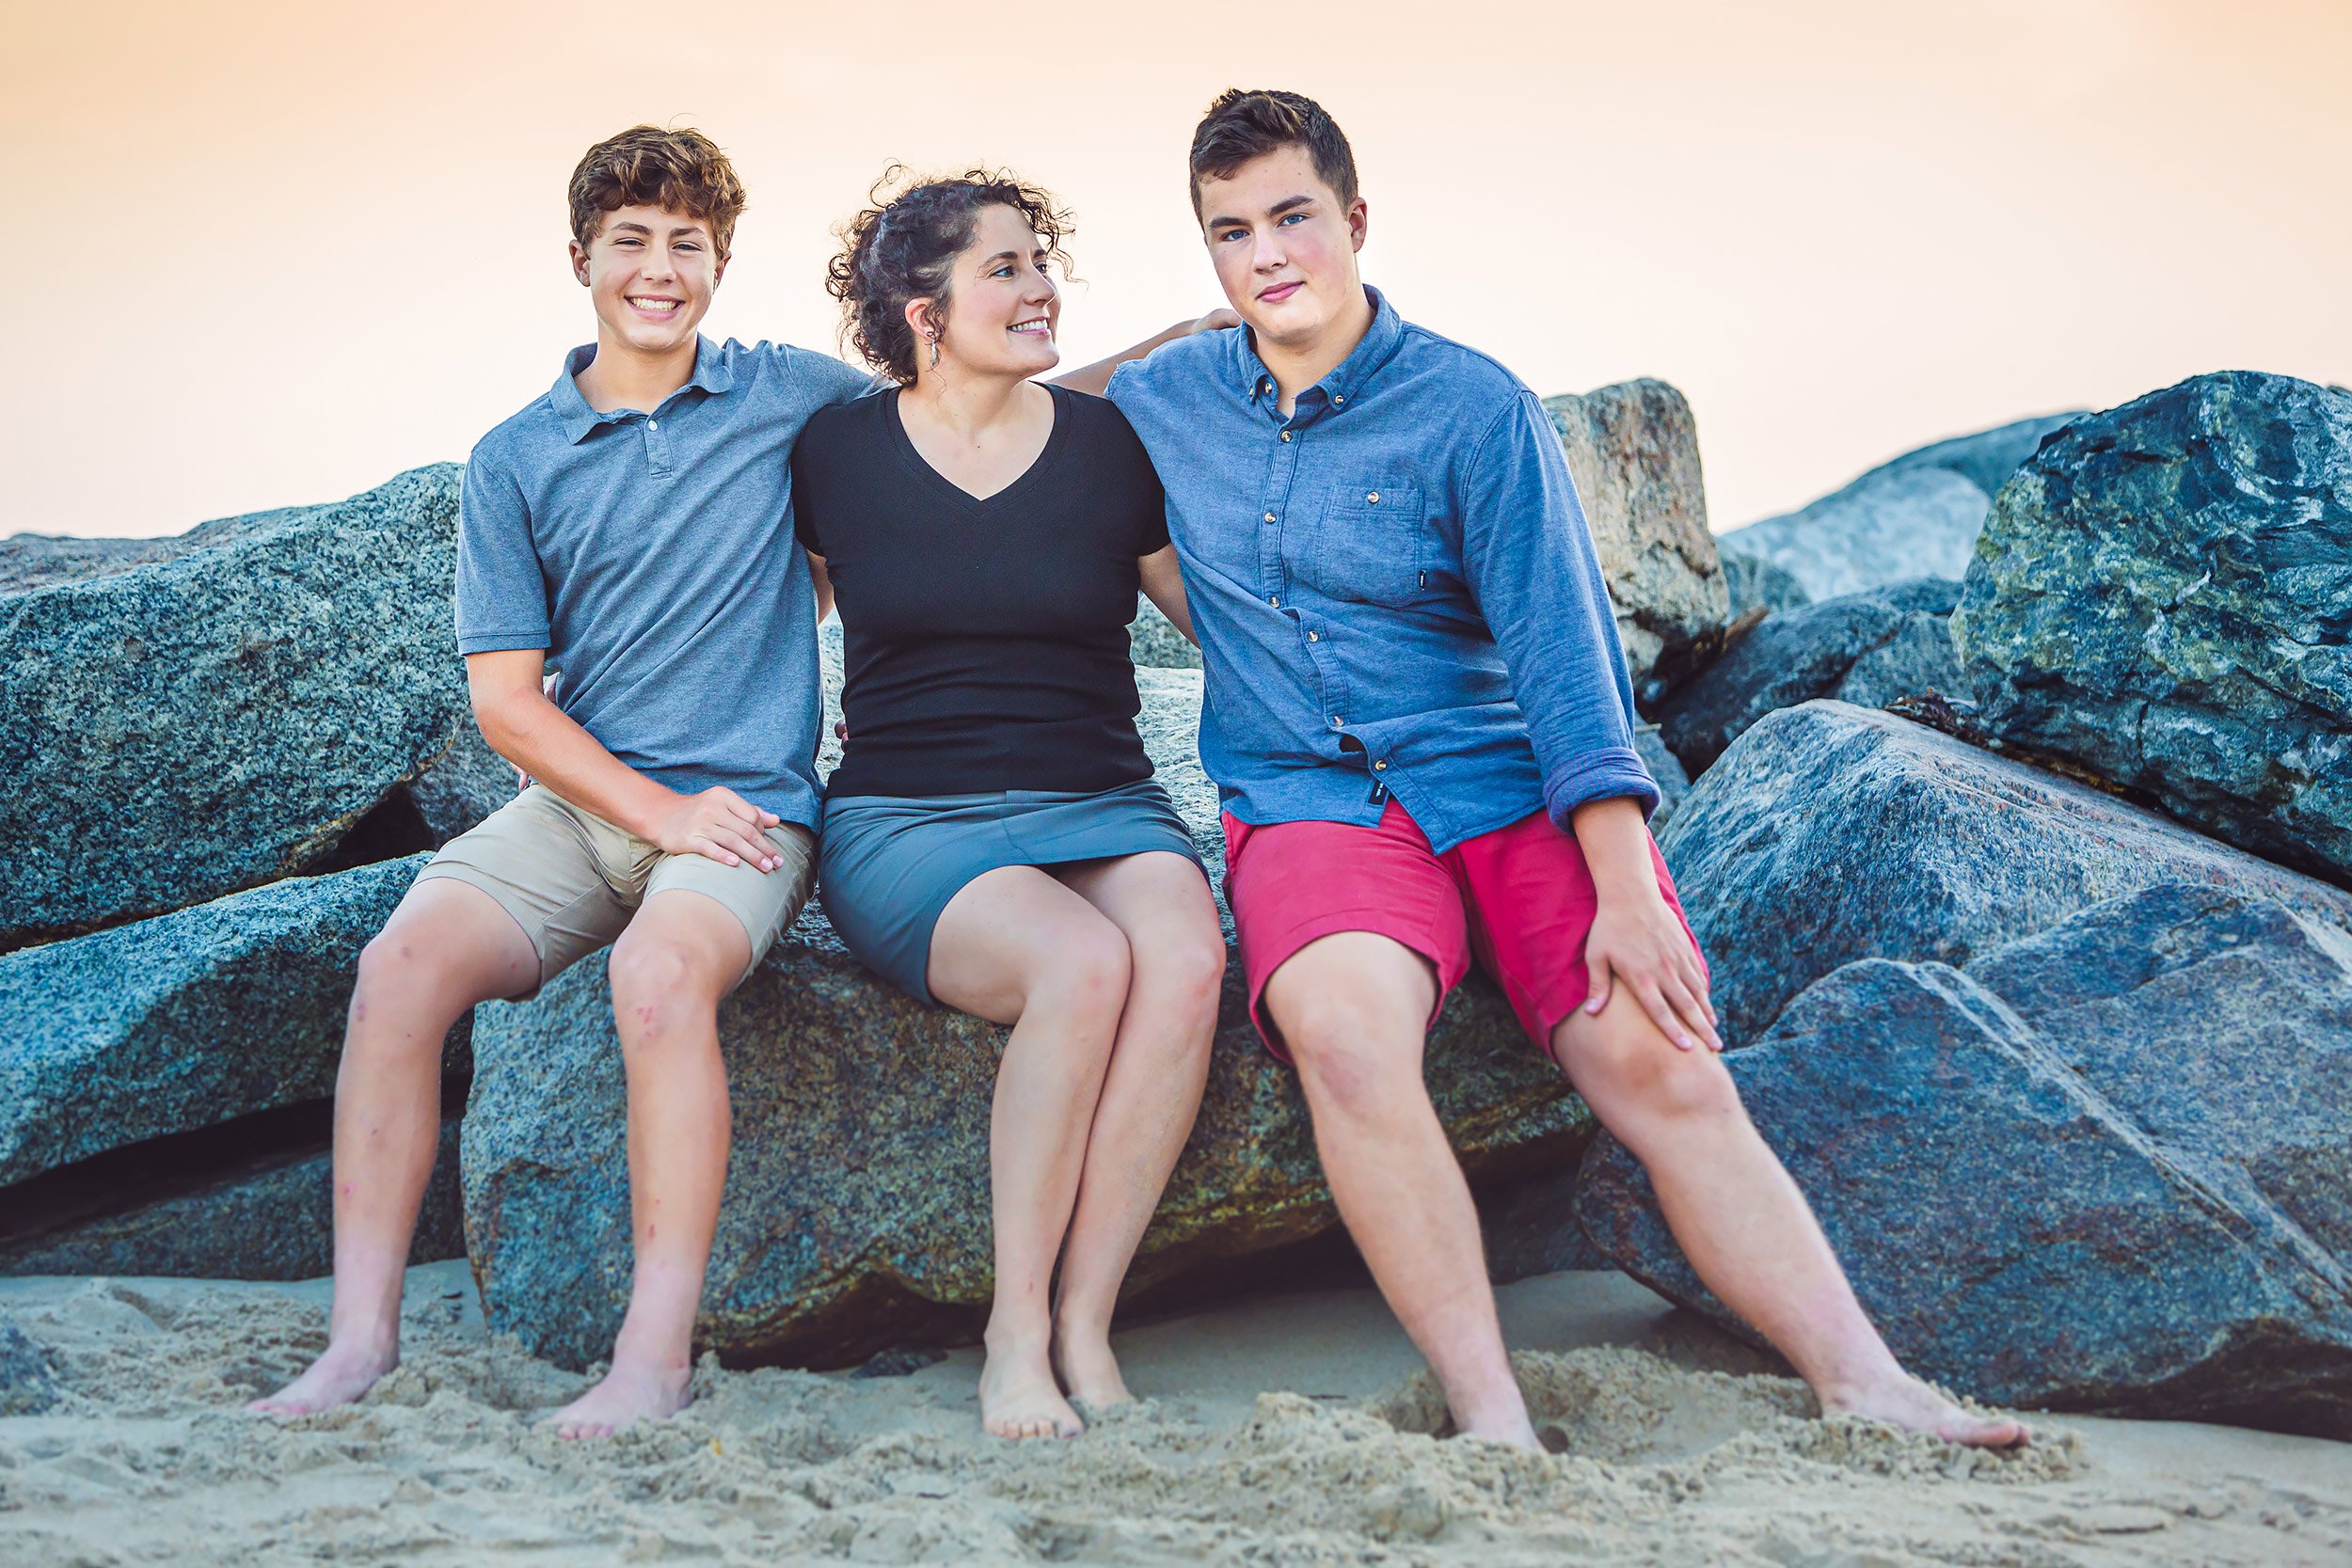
(572, 880)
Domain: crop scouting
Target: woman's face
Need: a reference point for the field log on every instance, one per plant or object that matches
(1002, 308)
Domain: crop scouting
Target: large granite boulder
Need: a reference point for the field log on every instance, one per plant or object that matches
(1752, 580)
(2163, 597)
(225, 715)
(2108, 1167)
(1830, 833)
(1917, 515)
(1665, 768)
(28, 1384)
(856, 1214)
(1867, 648)
(186, 1021)
(1633, 449)
(266, 1218)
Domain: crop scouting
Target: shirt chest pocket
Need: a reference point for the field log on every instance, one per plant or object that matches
(1365, 541)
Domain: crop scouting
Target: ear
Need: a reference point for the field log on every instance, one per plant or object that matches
(920, 317)
(1357, 223)
(719, 273)
(579, 263)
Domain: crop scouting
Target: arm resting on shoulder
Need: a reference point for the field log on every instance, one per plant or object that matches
(1163, 585)
(526, 728)
(1096, 378)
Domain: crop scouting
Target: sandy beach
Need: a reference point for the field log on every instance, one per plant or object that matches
(1293, 1430)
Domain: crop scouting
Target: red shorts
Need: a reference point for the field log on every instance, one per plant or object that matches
(1519, 899)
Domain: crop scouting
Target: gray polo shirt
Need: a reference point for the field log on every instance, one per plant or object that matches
(650, 552)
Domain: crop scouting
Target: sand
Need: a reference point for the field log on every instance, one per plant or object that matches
(1294, 1429)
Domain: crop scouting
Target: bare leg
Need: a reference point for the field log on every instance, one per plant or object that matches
(1015, 946)
(1743, 1223)
(448, 947)
(1352, 1008)
(682, 953)
(1159, 1066)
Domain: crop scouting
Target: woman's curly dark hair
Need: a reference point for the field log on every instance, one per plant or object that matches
(904, 247)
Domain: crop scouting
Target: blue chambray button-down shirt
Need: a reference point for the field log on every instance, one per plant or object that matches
(650, 552)
(1395, 588)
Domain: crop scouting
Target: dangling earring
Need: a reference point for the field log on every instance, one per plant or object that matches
(933, 338)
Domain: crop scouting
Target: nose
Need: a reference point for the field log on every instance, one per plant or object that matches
(1265, 250)
(1040, 290)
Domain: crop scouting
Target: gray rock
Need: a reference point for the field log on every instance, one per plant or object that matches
(1666, 768)
(1915, 517)
(222, 718)
(2106, 1168)
(1829, 834)
(465, 784)
(30, 561)
(186, 1021)
(1633, 449)
(1153, 640)
(856, 1212)
(1864, 648)
(28, 1384)
(1530, 1229)
(1753, 580)
(275, 1220)
(2164, 597)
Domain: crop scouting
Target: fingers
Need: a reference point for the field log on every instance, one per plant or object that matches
(1693, 1013)
(1595, 978)
(1653, 1001)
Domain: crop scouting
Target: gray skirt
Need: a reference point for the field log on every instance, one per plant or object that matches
(889, 864)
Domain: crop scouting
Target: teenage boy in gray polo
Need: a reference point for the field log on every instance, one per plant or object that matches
(629, 528)
(1418, 719)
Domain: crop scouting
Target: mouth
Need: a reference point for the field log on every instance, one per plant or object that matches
(1035, 326)
(656, 306)
(1278, 293)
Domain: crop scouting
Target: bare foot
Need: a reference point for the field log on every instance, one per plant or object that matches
(1087, 1369)
(1511, 1434)
(630, 1393)
(1020, 1399)
(1905, 1401)
(340, 1376)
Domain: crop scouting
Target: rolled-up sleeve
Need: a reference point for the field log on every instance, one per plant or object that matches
(501, 593)
(1528, 559)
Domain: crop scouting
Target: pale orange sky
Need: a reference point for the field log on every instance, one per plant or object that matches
(272, 253)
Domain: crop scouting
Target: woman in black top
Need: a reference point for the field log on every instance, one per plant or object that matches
(992, 838)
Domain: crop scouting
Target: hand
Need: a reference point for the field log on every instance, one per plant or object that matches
(1637, 942)
(719, 825)
(1215, 321)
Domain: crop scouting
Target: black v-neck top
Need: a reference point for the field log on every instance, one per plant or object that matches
(986, 640)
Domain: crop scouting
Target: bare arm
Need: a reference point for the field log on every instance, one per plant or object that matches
(824, 584)
(527, 729)
(1163, 585)
(1096, 378)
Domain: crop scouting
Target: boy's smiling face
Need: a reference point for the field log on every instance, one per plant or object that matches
(1283, 246)
(650, 272)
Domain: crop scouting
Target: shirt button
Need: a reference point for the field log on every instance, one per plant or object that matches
(1342, 398)
(1337, 721)
(1374, 498)
(1380, 767)
(1269, 516)
(1315, 636)
(1276, 600)
(653, 424)
(1286, 435)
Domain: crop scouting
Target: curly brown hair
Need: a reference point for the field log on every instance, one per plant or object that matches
(903, 247)
(645, 165)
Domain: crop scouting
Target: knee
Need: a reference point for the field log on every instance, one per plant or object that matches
(1628, 1067)
(1091, 971)
(1191, 971)
(655, 981)
(1346, 1061)
(402, 965)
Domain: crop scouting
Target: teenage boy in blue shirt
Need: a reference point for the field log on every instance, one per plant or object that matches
(1419, 721)
(630, 529)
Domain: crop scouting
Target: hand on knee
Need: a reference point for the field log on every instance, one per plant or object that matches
(1624, 1066)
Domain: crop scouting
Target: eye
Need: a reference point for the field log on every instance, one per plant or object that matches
(1288, 218)
(1233, 234)
(1005, 271)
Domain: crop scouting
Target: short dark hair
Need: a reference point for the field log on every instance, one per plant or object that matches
(904, 246)
(649, 167)
(1249, 123)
